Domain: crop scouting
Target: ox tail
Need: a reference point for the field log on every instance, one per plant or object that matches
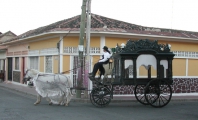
(70, 83)
(70, 86)
(70, 93)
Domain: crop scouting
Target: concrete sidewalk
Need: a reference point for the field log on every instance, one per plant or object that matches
(117, 98)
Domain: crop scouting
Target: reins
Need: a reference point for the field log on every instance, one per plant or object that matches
(75, 68)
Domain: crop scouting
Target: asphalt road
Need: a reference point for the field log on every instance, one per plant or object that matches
(18, 106)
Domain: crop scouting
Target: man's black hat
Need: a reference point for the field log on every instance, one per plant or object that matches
(105, 48)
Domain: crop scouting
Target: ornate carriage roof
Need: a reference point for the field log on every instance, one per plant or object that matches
(141, 46)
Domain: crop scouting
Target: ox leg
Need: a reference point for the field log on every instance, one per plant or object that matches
(38, 99)
(49, 100)
(68, 98)
(61, 100)
(67, 102)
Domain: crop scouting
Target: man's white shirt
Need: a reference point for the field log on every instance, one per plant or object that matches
(106, 57)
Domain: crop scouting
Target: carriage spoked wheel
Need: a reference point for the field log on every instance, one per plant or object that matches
(139, 94)
(100, 96)
(158, 93)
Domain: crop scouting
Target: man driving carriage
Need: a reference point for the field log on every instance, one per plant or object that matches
(105, 59)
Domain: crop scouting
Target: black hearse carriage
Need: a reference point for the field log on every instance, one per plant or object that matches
(155, 91)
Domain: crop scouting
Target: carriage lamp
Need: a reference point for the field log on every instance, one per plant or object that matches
(122, 45)
(169, 46)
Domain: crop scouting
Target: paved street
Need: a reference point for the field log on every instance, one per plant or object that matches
(18, 106)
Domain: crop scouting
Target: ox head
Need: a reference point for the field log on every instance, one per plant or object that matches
(28, 77)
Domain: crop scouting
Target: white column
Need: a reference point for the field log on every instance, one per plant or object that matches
(61, 54)
(102, 43)
(71, 67)
(39, 64)
(44, 64)
(186, 66)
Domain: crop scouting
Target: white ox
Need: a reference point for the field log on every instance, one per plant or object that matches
(54, 87)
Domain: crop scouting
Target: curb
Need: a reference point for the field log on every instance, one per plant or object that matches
(184, 100)
(16, 90)
(72, 100)
(88, 100)
(33, 95)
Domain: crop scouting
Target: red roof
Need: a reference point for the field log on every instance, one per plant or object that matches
(100, 23)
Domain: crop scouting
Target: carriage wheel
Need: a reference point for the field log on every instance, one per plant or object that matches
(100, 96)
(158, 93)
(139, 94)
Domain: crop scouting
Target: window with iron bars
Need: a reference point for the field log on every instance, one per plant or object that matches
(16, 63)
(75, 70)
(48, 64)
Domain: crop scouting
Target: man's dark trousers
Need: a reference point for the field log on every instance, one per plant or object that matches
(96, 67)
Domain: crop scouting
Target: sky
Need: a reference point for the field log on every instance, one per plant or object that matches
(20, 16)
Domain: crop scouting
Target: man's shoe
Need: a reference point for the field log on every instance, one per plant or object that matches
(92, 78)
(90, 73)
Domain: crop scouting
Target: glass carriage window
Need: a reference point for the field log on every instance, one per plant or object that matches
(34, 63)
(16, 63)
(146, 66)
(146, 71)
(117, 72)
(163, 69)
(128, 67)
(48, 64)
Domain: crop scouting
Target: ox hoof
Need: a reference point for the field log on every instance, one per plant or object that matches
(35, 103)
(66, 104)
(50, 103)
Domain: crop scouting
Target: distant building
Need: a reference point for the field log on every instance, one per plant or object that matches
(38, 49)
(3, 49)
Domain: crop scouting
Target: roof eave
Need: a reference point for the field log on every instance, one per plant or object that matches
(172, 38)
(42, 34)
(108, 33)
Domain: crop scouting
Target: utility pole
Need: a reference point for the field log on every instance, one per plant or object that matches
(80, 49)
(87, 62)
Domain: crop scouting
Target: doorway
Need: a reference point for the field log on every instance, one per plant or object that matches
(10, 69)
(23, 66)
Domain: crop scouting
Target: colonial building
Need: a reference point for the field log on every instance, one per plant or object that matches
(38, 49)
(3, 50)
